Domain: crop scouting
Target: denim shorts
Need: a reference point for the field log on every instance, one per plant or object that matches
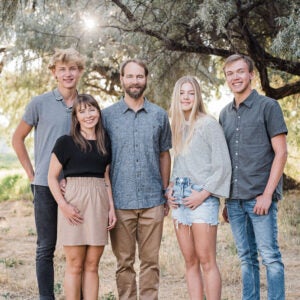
(207, 212)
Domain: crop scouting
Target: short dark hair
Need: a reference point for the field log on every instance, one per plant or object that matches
(134, 60)
(236, 57)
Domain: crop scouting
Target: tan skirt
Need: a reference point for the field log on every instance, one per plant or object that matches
(89, 195)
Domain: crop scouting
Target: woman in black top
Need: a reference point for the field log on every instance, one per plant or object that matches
(86, 210)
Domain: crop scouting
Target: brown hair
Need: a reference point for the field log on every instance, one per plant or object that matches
(134, 60)
(236, 57)
(87, 100)
(66, 56)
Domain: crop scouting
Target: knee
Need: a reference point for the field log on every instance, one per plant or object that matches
(91, 266)
(191, 262)
(271, 258)
(75, 269)
(45, 252)
(149, 258)
(74, 266)
(207, 263)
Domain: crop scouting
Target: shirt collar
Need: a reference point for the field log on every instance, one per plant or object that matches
(57, 95)
(248, 102)
(125, 107)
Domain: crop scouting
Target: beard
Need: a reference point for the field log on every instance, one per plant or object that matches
(137, 93)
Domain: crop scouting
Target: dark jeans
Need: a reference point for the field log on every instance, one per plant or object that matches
(45, 212)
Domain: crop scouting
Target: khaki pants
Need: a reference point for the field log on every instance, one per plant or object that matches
(144, 227)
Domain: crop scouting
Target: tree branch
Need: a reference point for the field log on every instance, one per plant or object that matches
(263, 60)
(284, 91)
(129, 15)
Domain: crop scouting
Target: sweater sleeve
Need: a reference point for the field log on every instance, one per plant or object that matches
(218, 181)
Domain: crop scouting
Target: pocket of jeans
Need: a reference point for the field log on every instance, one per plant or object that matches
(187, 191)
(177, 194)
(176, 191)
(32, 191)
(32, 188)
(196, 187)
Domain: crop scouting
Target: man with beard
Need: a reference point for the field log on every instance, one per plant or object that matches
(140, 139)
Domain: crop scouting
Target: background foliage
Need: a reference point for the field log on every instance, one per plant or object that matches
(174, 37)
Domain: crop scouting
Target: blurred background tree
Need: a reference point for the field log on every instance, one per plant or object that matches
(173, 37)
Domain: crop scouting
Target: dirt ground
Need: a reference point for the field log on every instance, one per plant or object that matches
(17, 260)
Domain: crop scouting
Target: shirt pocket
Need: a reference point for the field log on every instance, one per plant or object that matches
(152, 133)
(252, 135)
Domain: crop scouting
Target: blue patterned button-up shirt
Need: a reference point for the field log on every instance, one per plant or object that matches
(137, 139)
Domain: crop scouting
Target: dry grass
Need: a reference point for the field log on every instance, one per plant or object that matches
(17, 256)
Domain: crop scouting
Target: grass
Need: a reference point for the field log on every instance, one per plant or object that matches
(11, 262)
(17, 276)
(14, 187)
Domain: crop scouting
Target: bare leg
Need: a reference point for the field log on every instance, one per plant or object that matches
(205, 237)
(90, 279)
(75, 256)
(193, 272)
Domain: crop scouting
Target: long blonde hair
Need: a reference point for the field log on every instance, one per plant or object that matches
(177, 116)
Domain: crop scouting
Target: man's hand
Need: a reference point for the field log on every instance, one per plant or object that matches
(225, 214)
(263, 203)
(171, 199)
(166, 209)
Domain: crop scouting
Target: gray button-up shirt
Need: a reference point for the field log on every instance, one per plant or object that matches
(248, 132)
(137, 139)
(51, 119)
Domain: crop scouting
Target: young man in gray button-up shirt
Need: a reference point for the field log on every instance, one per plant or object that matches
(255, 132)
(140, 139)
(50, 116)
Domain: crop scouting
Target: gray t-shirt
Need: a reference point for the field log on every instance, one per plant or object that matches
(248, 131)
(206, 160)
(51, 118)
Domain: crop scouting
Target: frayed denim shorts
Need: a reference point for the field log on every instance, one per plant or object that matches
(207, 212)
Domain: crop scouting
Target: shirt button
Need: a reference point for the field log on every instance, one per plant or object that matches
(235, 180)
(236, 153)
(236, 167)
(237, 129)
(236, 142)
(239, 117)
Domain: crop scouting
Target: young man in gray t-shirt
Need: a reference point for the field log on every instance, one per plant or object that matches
(50, 115)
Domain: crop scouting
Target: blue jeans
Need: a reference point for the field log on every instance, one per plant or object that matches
(254, 232)
(45, 212)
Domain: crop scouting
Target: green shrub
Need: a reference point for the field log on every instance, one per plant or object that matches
(109, 296)
(14, 187)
